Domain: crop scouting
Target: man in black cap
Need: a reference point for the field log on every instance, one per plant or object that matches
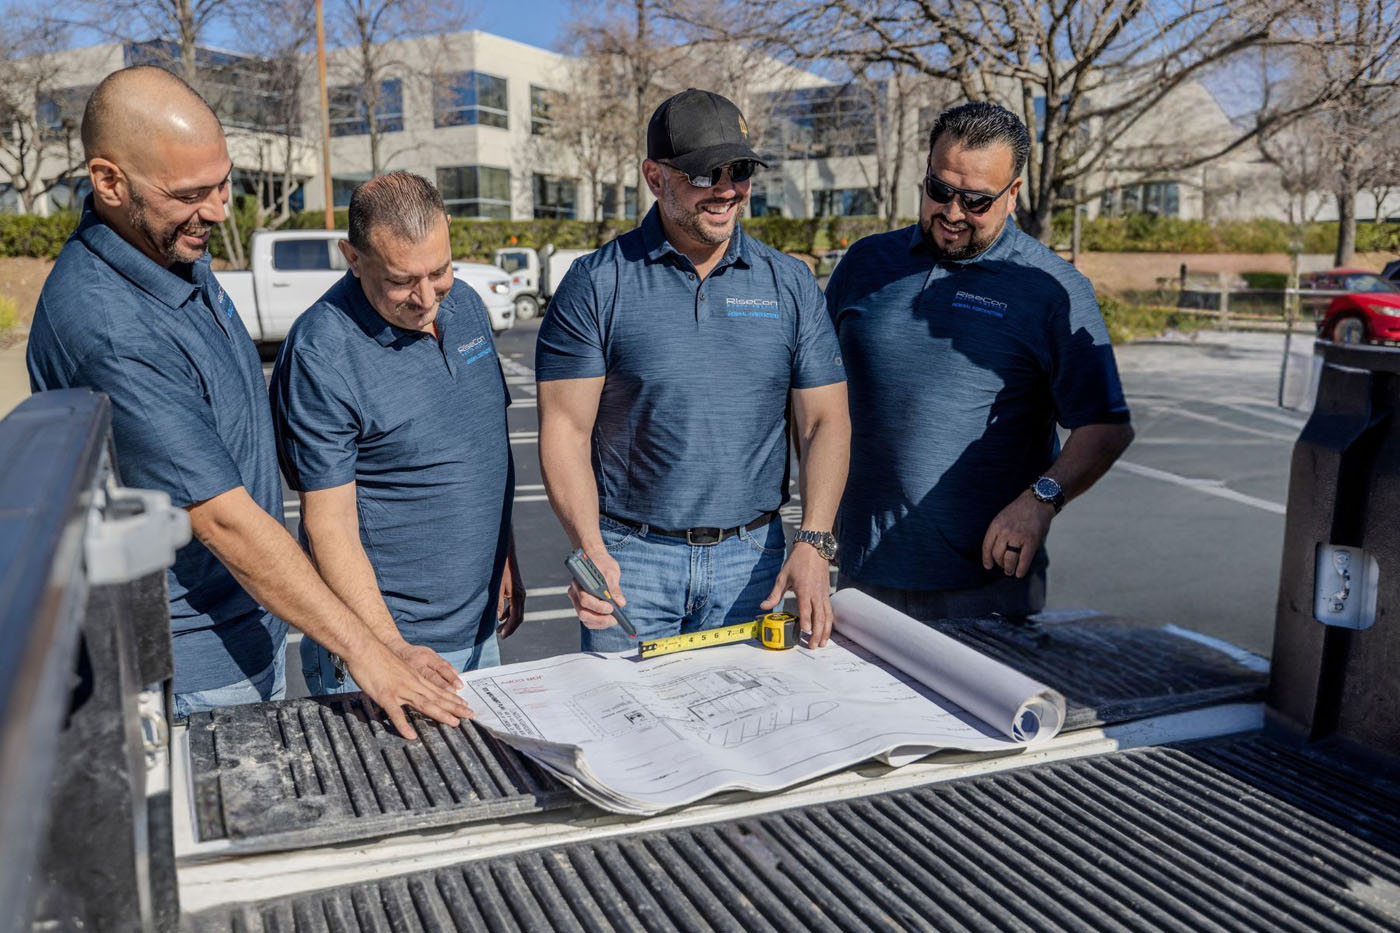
(667, 365)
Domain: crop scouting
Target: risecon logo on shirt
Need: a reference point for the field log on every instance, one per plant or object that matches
(971, 302)
(474, 350)
(752, 307)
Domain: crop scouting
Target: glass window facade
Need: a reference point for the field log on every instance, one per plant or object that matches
(1158, 198)
(342, 186)
(245, 91)
(843, 202)
(540, 119)
(475, 190)
(350, 113)
(820, 122)
(556, 197)
(629, 205)
(470, 98)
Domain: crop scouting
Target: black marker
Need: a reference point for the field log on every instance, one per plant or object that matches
(591, 581)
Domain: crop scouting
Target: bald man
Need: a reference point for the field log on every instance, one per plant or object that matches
(131, 309)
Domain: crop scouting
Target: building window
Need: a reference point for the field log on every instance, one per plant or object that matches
(342, 186)
(470, 98)
(9, 199)
(245, 91)
(60, 112)
(350, 113)
(1156, 198)
(540, 120)
(821, 122)
(843, 202)
(475, 190)
(69, 195)
(556, 197)
(766, 196)
(629, 203)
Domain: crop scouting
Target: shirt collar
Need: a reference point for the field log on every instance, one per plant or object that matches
(1001, 247)
(384, 333)
(657, 246)
(145, 273)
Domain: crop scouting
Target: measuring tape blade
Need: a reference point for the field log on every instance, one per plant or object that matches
(775, 630)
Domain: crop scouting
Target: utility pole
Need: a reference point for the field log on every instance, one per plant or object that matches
(325, 114)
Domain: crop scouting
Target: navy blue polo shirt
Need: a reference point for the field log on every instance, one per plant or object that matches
(691, 426)
(189, 418)
(419, 425)
(959, 372)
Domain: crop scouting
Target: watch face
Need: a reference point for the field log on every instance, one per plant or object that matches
(1046, 488)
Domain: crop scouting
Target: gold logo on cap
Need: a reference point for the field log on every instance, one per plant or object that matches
(743, 127)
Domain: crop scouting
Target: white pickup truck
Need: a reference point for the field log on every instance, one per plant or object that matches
(291, 269)
(535, 276)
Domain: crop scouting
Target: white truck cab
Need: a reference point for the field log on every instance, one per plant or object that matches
(535, 275)
(291, 269)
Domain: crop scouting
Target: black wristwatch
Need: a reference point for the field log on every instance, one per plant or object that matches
(1047, 490)
(823, 541)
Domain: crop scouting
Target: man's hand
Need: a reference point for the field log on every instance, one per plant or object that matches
(593, 612)
(426, 662)
(510, 602)
(1016, 534)
(808, 576)
(392, 684)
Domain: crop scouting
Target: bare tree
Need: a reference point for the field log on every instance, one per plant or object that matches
(371, 56)
(39, 114)
(587, 128)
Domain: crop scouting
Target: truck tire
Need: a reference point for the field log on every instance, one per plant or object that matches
(1349, 329)
(527, 307)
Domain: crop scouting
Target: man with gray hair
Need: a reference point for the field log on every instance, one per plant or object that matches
(390, 410)
(966, 341)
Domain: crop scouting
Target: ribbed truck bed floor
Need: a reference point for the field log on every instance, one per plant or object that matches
(1240, 833)
(313, 771)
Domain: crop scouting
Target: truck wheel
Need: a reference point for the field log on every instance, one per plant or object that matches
(526, 307)
(1349, 330)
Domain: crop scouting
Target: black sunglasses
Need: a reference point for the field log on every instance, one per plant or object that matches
(739, 172)
(974, 202)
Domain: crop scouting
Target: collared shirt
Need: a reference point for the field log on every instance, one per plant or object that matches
(189, 418)
(959, 372)
(691, 426)
(419, 425)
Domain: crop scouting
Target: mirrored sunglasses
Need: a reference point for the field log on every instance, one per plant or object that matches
(974, 202)
(739, 172)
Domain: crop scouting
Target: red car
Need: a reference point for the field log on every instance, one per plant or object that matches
(1368, 313)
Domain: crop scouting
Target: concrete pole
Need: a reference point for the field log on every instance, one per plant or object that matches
(325, 115)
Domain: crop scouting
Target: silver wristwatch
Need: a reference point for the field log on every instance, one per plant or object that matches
(1047, 490)
(823, 541)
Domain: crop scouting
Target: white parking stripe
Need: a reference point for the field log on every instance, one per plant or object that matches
(547, 615)
(1221, 422)
(1210, 487)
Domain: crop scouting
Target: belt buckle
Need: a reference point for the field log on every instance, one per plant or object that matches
(707, 537)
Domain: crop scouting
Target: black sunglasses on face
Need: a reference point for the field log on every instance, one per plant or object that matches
(974, 202)
(739, 172)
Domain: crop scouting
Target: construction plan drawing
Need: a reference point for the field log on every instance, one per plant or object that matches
(641, 736)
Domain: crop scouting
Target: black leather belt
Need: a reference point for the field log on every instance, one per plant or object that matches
(700, 536)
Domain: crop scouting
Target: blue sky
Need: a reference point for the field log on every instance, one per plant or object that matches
(536, 22)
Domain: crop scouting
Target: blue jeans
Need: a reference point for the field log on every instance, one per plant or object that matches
(268, 684)
(673, 587)
(322, 677)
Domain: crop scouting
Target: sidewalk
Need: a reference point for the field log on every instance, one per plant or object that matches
(14, 380)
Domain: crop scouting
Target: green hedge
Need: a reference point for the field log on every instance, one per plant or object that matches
(27, 235)
(1129, 322)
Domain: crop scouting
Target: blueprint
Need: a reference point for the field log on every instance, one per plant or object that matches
(643, 736)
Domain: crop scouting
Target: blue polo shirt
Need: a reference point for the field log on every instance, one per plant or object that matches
(419, 425)
(189, 418)
(959, 372)
(692, 424)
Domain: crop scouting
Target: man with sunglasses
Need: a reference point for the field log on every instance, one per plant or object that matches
(667, 365)
(131, 309)
(966, 341)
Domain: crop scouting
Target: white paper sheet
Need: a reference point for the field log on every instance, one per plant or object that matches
(644, 736)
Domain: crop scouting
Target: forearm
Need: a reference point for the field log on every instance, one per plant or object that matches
(265, 560)
(1087, 454)
(824, 446)
(342, 563)
(572, 490)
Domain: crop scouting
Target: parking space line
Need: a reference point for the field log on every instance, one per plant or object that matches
(1210, 487)
(1221, 422)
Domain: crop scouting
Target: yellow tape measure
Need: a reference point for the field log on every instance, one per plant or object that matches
(777, 630)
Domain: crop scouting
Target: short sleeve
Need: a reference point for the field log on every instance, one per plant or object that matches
(314, 416)
(570, 343)
(162, 425)
(1084, 381)
(817, 361)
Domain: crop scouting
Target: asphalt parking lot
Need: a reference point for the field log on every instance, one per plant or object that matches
(1186, 530)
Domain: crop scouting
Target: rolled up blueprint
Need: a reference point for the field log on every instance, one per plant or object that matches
(1023, 709)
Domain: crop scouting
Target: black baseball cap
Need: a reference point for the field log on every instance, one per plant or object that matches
(697, 132)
